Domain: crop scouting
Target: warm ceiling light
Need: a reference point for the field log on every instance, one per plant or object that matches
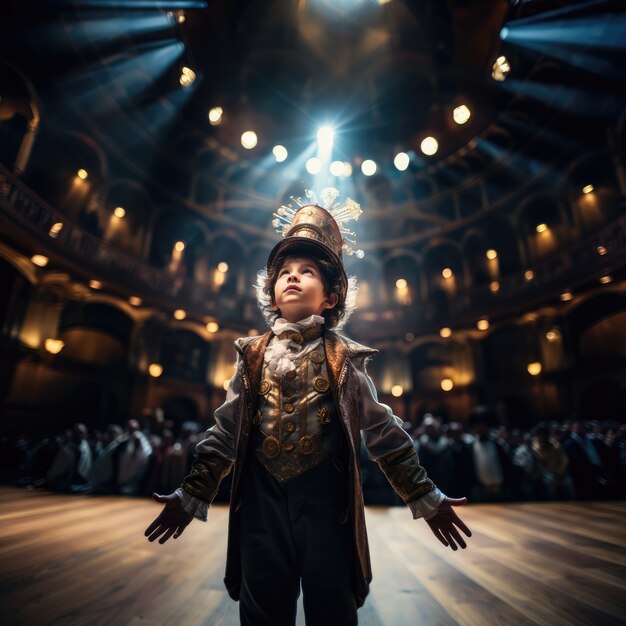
(95, 284)
(494, 285)
(187, 77)
(314, 166)
(179, 246)
(119, 212)
(401, 283)
(566, 296)
(215, 116)
(447, 384)
(82, 174)
(180, 314)
(461, 114)
(135, 300)
(222, 266)
(601, 250)
(541, 228)
(587, 188)
(368, 167)
(155, 370)
(56, 228)
(54, 346)
(212, 327)
(482, 324)
(500, 68)
(606, 279)
(40, 260)
(397, 391)
(529, 274)
(553, 335)
(492, 254)
(337, 168)
(280, 153)
(401, 161)
(445, 332)
(429, 146)
(446, 272)
(534, 369)
(249, 139)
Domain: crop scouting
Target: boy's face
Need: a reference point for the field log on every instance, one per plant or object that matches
(299, 290)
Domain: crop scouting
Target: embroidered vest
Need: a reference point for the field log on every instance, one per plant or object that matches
(296, 424)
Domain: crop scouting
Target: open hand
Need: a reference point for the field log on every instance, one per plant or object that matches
(172, 520)
(445, 522)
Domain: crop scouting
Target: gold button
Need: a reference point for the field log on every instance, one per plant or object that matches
(291, 375)
(289, 408)
(317, 357)
(270, 447)
(307, 444)
(323, 415)
(289, 391)
(288, 446)
(321, 384)
(264, 387)
(289, 426)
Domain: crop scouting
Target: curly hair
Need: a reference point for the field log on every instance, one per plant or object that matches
(336, 317)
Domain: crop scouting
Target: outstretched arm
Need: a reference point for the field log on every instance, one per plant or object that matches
(445, 523)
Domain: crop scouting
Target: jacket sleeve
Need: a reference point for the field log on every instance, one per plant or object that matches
(215, 453)
(392, 448)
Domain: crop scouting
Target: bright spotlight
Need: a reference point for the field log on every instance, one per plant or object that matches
(215, 115)
(119, 212)
(313, 166)
(187, 77)
(325, 138)
(504, 33)
(461, 114)
(500, 68)
(337, 168)
(401, 161)
(249, 139)
(280, 153)
(347, 169)
(368, 167)
(429, 146)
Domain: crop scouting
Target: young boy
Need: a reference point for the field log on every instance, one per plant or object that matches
(291, 429)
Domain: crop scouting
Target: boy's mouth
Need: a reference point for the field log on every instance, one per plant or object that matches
(292, 287)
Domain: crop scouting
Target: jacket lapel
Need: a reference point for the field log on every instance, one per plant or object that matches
(253, 360)
(336, 355)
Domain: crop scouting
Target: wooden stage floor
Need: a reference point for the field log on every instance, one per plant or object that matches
(84, 560)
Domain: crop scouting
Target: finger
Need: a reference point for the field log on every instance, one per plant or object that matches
(439, 536)
(456, 501)
(181, 529)
(162, 499)
(455, 533)
(167, 535)
(461, 524)
(157, 533)
(155, 524)
(449, 539)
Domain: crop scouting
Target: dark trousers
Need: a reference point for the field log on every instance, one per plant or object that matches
(295, 533)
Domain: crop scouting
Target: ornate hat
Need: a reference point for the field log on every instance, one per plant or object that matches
(318, 228)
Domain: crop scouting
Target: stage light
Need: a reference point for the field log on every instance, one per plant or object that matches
(445, 332)
(313, 165)
(155, 370)
(82, 174)
(368, 167)
(249, 139)
(429, 146)
(397, 391)
(494, 286)
(500, 68)
(54, 346)
(401, 161)
(222, 266)
(401, 283)
(461, 114)
(446, 272)
(253, 332)
(212, 327)
(601, 250)
(529, 275)
(95, 284)
(337, 168)
(347, 169)
(447, 384)
(325, 139)
(534, 369)
(119, 212)
(605, 280)
(492, 254)
(134, 300)
(180, 314)
(187, 77)
(553, 335)
(541, 228)
(55, 229)
(280, 153)
(504, 33)
(179, 246)
(215, 116)
(587, 188)
(39, 259)
(566, 296)
(482, 324)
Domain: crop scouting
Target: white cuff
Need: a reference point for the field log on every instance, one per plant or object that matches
(199, 509)
(427, 505)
